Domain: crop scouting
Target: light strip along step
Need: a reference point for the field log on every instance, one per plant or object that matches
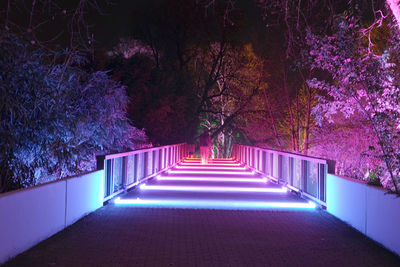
(212, 172)
(213, 188)
(211, 179)
(210, 167)
(214, 204)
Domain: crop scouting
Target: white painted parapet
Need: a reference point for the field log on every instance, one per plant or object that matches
(84, 194)
(30, 215)
(369, 209)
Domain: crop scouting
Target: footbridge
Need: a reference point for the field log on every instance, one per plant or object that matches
(161, 207)
(253, 178)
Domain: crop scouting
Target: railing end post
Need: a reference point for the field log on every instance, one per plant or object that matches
(100, 162)
(331, 166)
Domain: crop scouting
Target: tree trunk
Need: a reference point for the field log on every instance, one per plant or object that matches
(298, 123)
(221, 136)
(307, 130)
(229, 146)
(291, 117)
(268, 106)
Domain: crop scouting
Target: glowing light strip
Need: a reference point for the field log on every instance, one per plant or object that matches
(198, 159)
(211, 167)
(209, 179)
(213, 188)
(216, 204)
(293, 188)
(212, 162)
(211, 172)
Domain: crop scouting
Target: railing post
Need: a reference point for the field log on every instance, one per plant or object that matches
(109, 177)
(159, 152)
(291, 168)
(155, 161)
(150, 163)
(100, 162)
(252, 157)
(165, 157)
(272, 156)
(304, 175)
(169, 156)
(135, 168)
(322, 182)
(175, 154)
(280, 171)
(124, 172)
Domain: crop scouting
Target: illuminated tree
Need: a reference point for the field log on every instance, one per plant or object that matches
(55, 119)
(238, 78)
(394, 6)
(361, 82)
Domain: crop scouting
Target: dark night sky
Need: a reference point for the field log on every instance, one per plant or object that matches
(119, 20)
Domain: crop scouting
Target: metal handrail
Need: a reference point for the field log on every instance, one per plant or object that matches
(303, 174)
(133, 152)
(125, 170)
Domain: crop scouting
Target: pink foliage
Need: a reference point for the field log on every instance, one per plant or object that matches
(395, 7)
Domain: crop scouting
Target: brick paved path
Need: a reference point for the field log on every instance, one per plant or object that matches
(142, 235)
(128, 236)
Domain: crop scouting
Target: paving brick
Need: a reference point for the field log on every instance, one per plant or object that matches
(128, 236)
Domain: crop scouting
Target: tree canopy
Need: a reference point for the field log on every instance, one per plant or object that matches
(306, 76)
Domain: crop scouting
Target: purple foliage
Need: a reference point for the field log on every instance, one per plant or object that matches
(56, 117)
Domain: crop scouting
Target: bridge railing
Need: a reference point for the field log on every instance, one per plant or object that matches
(304, 174)
(125, 170)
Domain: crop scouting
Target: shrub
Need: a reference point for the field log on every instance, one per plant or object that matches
(56, 117)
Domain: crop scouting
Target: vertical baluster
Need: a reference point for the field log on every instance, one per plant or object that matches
(280, 172)
(291, 168)
(109, 177)
(322, 182)
(304, 175)
(124, 172)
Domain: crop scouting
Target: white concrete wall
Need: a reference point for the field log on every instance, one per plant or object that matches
(383, 218)
(31, 215)
(346, 199)
(367, 208)
(84, 195)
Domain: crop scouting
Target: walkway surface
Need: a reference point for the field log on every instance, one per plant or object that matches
(221, 214)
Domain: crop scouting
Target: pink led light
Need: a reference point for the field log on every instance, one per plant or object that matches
(213, 188)
(210, 167)
(212, 162)
(198, 159)
(218, 204)
(209, 179)
(212, 172)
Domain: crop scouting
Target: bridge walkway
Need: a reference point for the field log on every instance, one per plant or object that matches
(221, 184)
(222, 214)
